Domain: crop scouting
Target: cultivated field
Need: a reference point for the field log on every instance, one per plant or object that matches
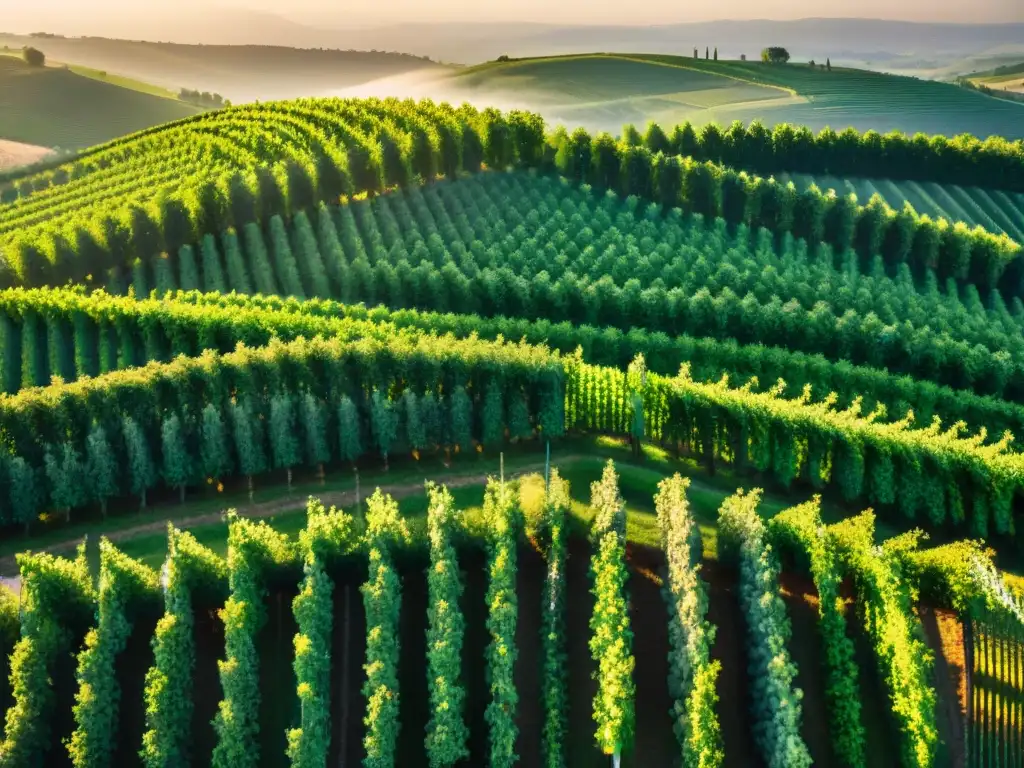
(345, 297)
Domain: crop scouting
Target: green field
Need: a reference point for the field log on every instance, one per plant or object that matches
(57, 107)
(604, 91)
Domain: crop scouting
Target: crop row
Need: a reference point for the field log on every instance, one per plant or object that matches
(311, 402)
(59, 602)
(433, 142)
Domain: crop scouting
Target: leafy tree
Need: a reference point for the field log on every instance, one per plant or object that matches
(247, 435)
(350, 439)
(415, 431)
(384, 424)
(33, 56)
(100, 468)
(284, 444)
(25, 492)
(611, 637)
(141, 469)
(214, 456)
(716, 53)
(177, 469)
(447, 732)
(460, 420)
(493, 414)
(774, 55)
(314, 430)
(503, 518)
(65, 474)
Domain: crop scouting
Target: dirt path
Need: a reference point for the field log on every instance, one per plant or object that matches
(267, 509)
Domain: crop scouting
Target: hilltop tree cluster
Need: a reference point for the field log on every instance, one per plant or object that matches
(775, 55)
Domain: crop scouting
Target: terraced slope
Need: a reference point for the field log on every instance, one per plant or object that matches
(56, 107)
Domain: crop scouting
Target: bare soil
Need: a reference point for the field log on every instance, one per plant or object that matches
(945, 636)
(13, 153)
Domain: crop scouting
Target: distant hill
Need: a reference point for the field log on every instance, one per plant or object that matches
(603, 91)
(238, 72)
(58, 107)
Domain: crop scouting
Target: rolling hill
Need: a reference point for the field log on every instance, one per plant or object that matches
(57, 107)
(238, 72)
(603, 91)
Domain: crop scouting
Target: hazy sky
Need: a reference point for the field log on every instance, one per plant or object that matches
(20, 16)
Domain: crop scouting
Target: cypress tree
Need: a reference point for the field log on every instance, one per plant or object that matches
(214, 456)
(238, 276)
(10, 348)
(383, 423)
(140, 280)
(414, 430)
(25, 492)
(493, 415)
(314, 430)
(335, 263)
(163, 275)
(65, 477)
(519, 418)
(188, 272)
(247, 434)
(35, 367)
(350, 441)
(177, 470)
(311, 265)
(286, 270)
(85, 345)
(430, 415)
(100, 468)
(213, 273)
(259, 261)
(284, 445)
(61, 348)
(460, 420)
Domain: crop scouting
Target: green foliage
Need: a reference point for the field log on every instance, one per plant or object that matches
(57, 602)
(777, 709)
(284, 443)
(65, 474)
(328, 536)
(286, 269)
(447, 732)
(177, 464)
(460, 420)
(611, 638)
(214, 455)
(101, 470)
(555, 678)
(252, 549)
(383, 423)
(382, 597)
(799, 530)
(692, 673)
(141, 469)
(886, 602)
(503, 519)
(127, 589)
(213, 272)
(191, 572)
(350, 440)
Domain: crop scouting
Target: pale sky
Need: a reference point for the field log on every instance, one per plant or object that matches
(334, 13)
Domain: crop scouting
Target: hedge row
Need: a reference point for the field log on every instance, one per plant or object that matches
(692, 672)
(799, 532)
(193, 575)
(776, 708)
(128, 590)
(994, 162)
(885, 602)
